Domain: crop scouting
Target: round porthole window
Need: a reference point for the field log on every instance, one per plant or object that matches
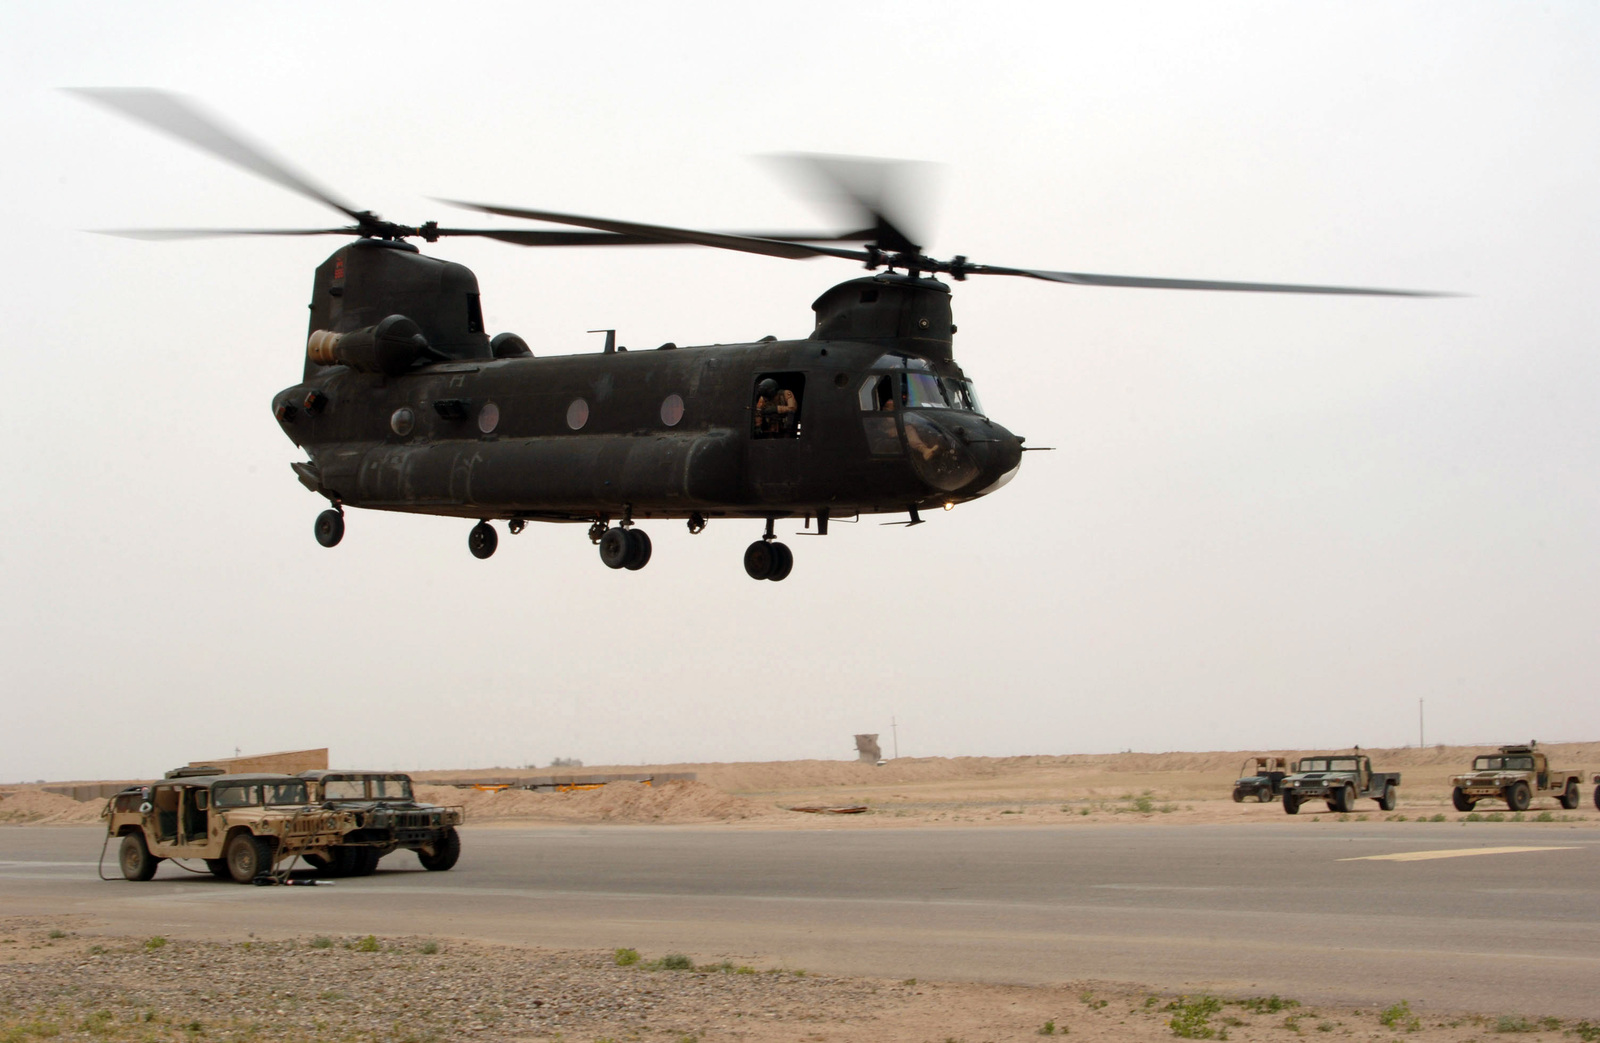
(672, 410)
(577, 414)
(488, 417)
(401, 421)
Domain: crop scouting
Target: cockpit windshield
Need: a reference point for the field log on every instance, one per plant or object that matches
(914, 386)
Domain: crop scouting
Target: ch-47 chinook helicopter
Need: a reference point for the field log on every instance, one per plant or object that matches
(407, 404)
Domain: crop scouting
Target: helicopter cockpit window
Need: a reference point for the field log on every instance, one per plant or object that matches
(776, 412)
(877, 394)
(901, 362)
(960, 394)
(922, 391)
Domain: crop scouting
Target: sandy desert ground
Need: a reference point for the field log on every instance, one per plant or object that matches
(1161, 788)
(67, 978)
(74, 977)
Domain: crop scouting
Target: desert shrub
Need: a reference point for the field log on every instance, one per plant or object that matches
(625, 957)
(1267, 1004)
(672, 961)
(1191, 1017)
(1399, 1017)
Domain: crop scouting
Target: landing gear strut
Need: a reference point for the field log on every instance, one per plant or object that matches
(482, 540)
(330, 527)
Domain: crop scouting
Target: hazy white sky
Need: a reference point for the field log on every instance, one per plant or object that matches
(1271, 521)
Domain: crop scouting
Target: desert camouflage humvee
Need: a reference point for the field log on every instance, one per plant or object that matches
(1515, 775)
(389, 819)
(241, 825)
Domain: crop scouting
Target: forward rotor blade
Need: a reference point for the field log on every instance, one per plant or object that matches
(665, 234)
(1141, 282)
(180, 118)
(533, 237)
(891, 193)
(159, 234)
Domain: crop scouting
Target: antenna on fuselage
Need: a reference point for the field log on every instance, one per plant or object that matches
(611, 340)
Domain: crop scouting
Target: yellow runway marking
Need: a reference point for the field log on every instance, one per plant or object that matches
(1461, 852)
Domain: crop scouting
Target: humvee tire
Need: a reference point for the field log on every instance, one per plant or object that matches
(445, 854)
(135, 858)
(1517, 796)
(1343, 799)
(1238, 795)
(1597, 797)
(1291, 803)
(1264, 794)
(1570, 798)
(218, 867)
(248, 856)
(352, 861)
(1387, 801)
(1461, 800)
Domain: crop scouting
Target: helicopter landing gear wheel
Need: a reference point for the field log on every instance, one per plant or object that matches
(783, 562)
(329, 527)
(624, 549)
(764, 560)
(482, 540)
(697, 523)
(516, 525)
(638, 550)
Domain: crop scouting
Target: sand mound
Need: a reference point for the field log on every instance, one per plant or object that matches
(682, 802)
(36, 807)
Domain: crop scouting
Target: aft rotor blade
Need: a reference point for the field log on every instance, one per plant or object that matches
(158, 234)
(1142, 282)
(665, 234)
(180, 118)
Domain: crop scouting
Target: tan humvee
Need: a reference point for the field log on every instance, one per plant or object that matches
(242, 826)
(1515, 775)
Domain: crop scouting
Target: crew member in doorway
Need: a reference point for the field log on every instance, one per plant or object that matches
(776, 410)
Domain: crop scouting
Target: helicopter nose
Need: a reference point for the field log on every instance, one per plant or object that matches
(964, 455)
(1001, 458)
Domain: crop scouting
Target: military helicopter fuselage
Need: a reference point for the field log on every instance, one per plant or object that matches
(408, 405)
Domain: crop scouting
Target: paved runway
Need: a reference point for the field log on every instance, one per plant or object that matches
(1301, 909)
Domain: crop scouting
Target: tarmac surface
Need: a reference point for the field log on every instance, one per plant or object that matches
(1476, 917)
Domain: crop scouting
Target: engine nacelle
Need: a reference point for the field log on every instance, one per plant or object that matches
(391, 347)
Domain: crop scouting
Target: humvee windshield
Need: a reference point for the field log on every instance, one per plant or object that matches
(1503, 764)
(1330, 764)
(367, 787)
(257, 794)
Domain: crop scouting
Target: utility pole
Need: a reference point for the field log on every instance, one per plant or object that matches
(1420, 742)
(894, 731)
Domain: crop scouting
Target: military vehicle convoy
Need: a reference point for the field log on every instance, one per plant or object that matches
(1516, 775)
(244, 826)
(1261, 778)
(1339, 779)
(389, 819)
